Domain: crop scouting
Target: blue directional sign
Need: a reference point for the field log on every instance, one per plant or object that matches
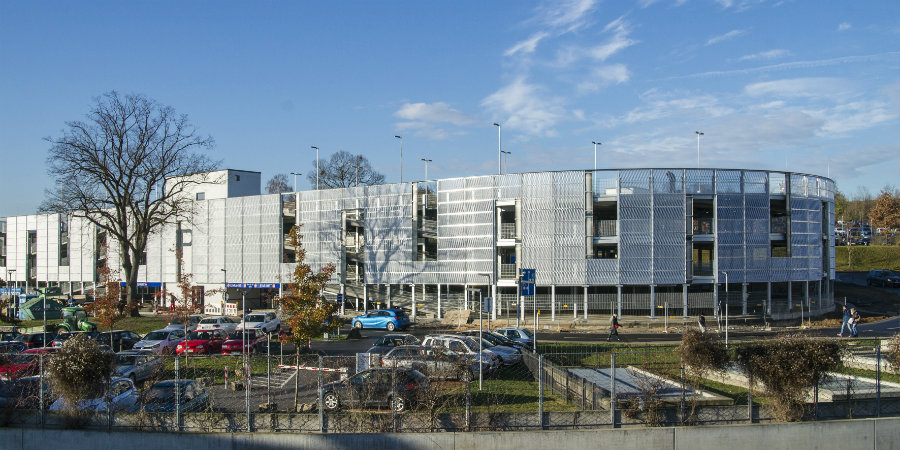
(528, 275)
(488, 303)
(340, 298)
(527, 289)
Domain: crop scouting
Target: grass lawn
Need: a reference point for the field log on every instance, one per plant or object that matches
(867, 257)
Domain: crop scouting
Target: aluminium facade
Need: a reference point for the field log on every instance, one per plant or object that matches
(634, 241)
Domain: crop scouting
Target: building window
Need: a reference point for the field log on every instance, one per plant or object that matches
(703, 259)
(201, 196)
(237, 178)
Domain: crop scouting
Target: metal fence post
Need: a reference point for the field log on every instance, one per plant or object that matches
(41, 389)
(750, 403)
(683, 418)
(177, 396)
(321, 410)
(612, 389)
(541, 391)
(878, 380)
(247, 394)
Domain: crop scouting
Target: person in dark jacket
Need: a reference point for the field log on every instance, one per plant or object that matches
(702, 322)
(613, 328)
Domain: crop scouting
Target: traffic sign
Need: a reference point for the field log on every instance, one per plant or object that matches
(528, 275)
(527, 289)
(487, 304)
(340, 298)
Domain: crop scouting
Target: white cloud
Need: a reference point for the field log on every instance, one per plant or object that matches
(526, 46)
(605, 76)
(426, 130)
(810, 64)
(661, 106)
(618, 42)
(525, 108)
(434, 112)
(724, 37)
(768, 54)
(565, 16)
(844, 26)
(800, 87)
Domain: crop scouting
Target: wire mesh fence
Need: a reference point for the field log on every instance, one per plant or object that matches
(572, 386)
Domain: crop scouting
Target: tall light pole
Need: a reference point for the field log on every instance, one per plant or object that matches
(13, 300)
(699, 133)
(224, 282)
(499, 155)
(595, 152)
(426, 167)
(317, 165)
(504, 152)
(401, 157)
(295, 179)
(481, 331)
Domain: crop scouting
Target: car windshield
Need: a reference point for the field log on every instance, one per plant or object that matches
(156, 336)
(389, 341)
(492, 339)
(527, 333)
(201, 335)
(126, 360)
(8, 336)
(255, 318)
(239, 334)
(26, 358)
(208, 321)
(162, 394)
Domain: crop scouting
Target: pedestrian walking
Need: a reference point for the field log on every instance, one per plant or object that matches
(844, 323)
(702, 322)
(613, 328)
(853, 322)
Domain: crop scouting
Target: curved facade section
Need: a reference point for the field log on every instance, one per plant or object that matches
(635, 241)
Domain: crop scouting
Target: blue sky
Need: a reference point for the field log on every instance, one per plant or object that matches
(809, 86)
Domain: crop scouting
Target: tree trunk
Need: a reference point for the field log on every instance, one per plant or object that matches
(297, 380)
(130, 264)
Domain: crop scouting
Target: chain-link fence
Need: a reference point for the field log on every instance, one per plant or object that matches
(561, 387)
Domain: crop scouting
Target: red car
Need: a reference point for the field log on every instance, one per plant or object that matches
(235, 340)
(24, 364)
(206, 342)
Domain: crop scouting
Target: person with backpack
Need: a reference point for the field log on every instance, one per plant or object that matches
(844, 324)
(853, 322)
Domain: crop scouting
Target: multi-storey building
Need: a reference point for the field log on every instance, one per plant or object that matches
(633, 241)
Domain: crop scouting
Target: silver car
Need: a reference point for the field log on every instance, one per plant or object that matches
(138, 366)
(162, 342)
(433, 362)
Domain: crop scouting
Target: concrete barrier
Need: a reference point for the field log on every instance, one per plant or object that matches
(875, 434)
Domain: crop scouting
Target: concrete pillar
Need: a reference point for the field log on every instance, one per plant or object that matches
(652, 301)
(769, 298)
(412, 289)
(439, 316)
(496, 302)
(585, 303)
(790, 299)
(806, 294)
(466, 296)
(365, 298)
(819, 294)
(684, 298)
(744, 298)
(716, 300)
(619, 300)
(343, 297)
(389, 299)
(552, 302)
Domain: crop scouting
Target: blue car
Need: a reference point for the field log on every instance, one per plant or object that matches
(390, 319)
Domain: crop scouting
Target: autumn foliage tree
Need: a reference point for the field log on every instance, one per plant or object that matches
(886, 212)
(306, 311)
(106, 307)
(189, 305)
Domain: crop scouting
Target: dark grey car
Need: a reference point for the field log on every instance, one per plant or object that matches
(137, 365)
(387, 342)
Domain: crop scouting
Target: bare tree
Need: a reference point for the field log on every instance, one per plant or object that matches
(125, 169)
(278, 184)
(344, 169)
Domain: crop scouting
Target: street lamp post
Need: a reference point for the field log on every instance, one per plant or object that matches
(15, 303)
(426, 161)
(401, 157)
(504, 152)
(317, 165)
(726, 308)
(481, 331)
(595, 152)
(224, 282)
(499, 155)
(295, 179)
(699, 133)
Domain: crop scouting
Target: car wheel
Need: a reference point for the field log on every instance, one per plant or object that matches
(390, 326)
(62, 330)
(330, 401)
(466, 376)
(357, 325)
(398, 404)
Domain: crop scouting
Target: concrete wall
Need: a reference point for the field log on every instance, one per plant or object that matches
(876, 434)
